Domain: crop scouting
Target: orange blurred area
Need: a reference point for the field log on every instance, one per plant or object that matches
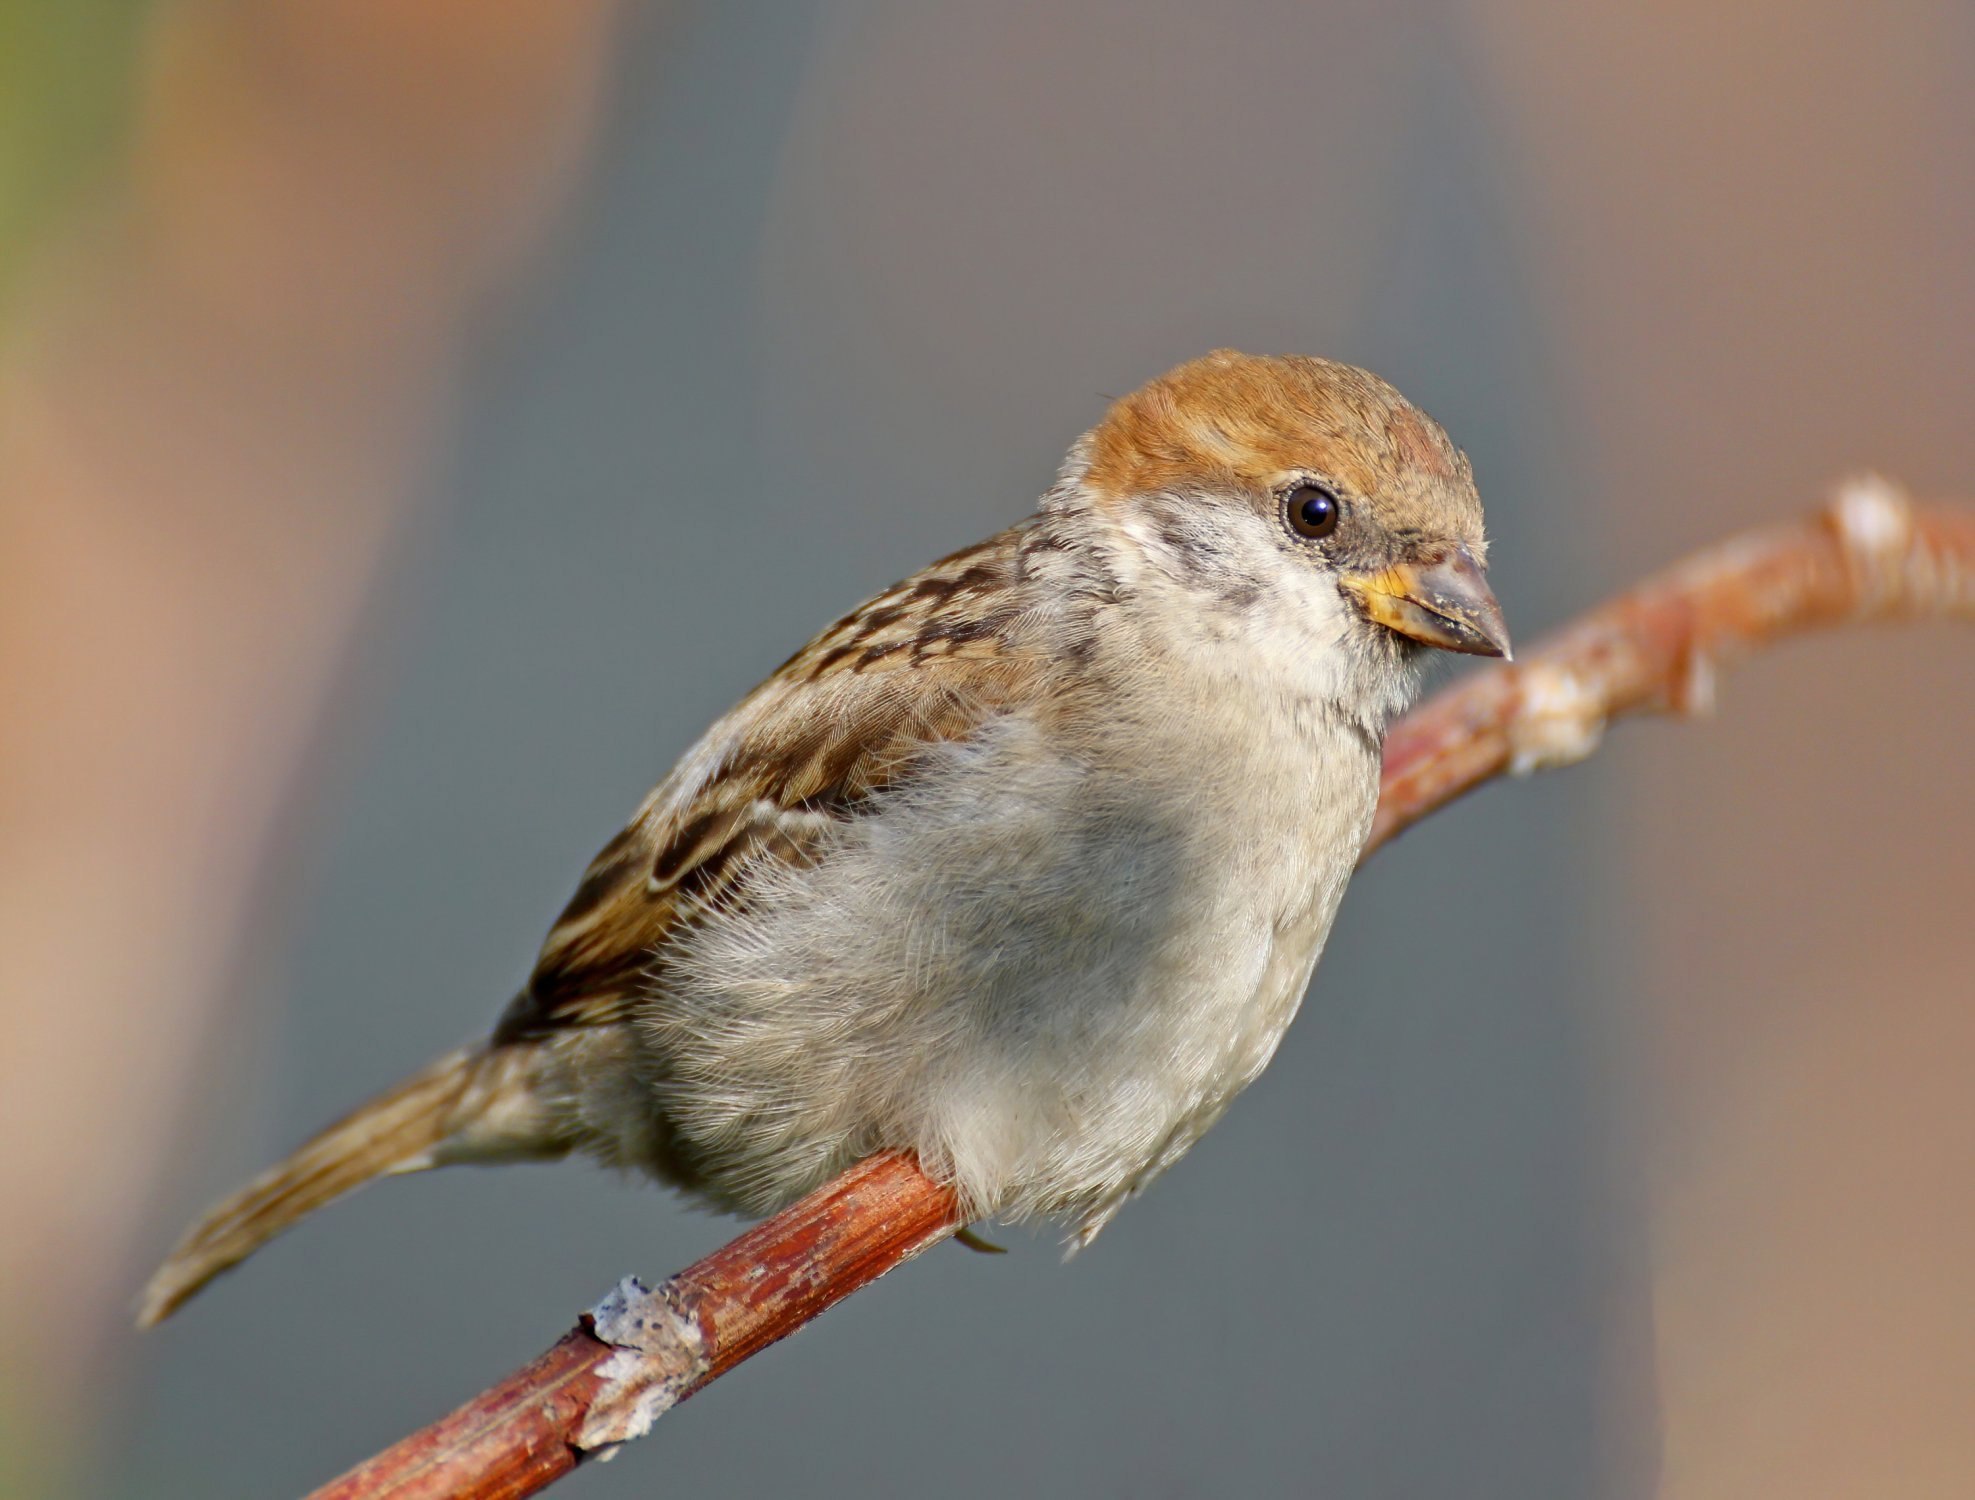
(228, 359)
(1759, 231)
(417, 419)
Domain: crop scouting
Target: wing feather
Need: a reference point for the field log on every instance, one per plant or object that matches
(927, 661)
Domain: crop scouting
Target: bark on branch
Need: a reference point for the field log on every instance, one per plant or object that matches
(1871, 555)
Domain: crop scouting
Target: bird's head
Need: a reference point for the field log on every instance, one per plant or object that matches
(1296, 494)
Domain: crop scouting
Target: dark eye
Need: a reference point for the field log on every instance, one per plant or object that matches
(1313, 511)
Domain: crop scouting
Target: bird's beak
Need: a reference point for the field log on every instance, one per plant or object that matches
(1446, 604)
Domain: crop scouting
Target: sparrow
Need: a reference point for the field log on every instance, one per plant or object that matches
(1023, 866)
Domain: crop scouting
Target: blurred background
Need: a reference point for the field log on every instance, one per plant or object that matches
(418, 420)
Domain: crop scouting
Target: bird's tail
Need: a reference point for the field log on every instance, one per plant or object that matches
(477, 1104)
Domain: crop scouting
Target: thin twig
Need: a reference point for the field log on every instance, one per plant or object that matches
(641, 1351)
(1870, 556)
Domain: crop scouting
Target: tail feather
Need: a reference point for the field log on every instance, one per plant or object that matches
(469, 1105)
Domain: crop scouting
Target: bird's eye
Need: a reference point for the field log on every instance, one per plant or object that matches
(1313, 511)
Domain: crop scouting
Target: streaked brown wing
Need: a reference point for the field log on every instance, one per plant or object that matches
(926, 661)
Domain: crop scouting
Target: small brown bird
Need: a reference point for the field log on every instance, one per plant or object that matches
(1023, 866)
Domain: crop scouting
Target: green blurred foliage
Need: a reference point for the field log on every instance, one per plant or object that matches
(65, 93)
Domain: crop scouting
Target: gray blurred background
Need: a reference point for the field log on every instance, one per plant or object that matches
(421, 421)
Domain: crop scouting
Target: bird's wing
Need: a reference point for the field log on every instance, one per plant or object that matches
(928, 660)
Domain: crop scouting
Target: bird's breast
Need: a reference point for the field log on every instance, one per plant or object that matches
(1283, 802)
(1046, 962)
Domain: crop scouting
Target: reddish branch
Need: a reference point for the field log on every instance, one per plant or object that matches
(1869, 556)
(641, 1352)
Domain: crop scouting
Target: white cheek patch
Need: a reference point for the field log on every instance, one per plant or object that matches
(1246, 607)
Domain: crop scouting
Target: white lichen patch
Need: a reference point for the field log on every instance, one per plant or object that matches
(1558, 721)
(1874, 522)
(1694, 693)
(660, 1356)
(1873, 515)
